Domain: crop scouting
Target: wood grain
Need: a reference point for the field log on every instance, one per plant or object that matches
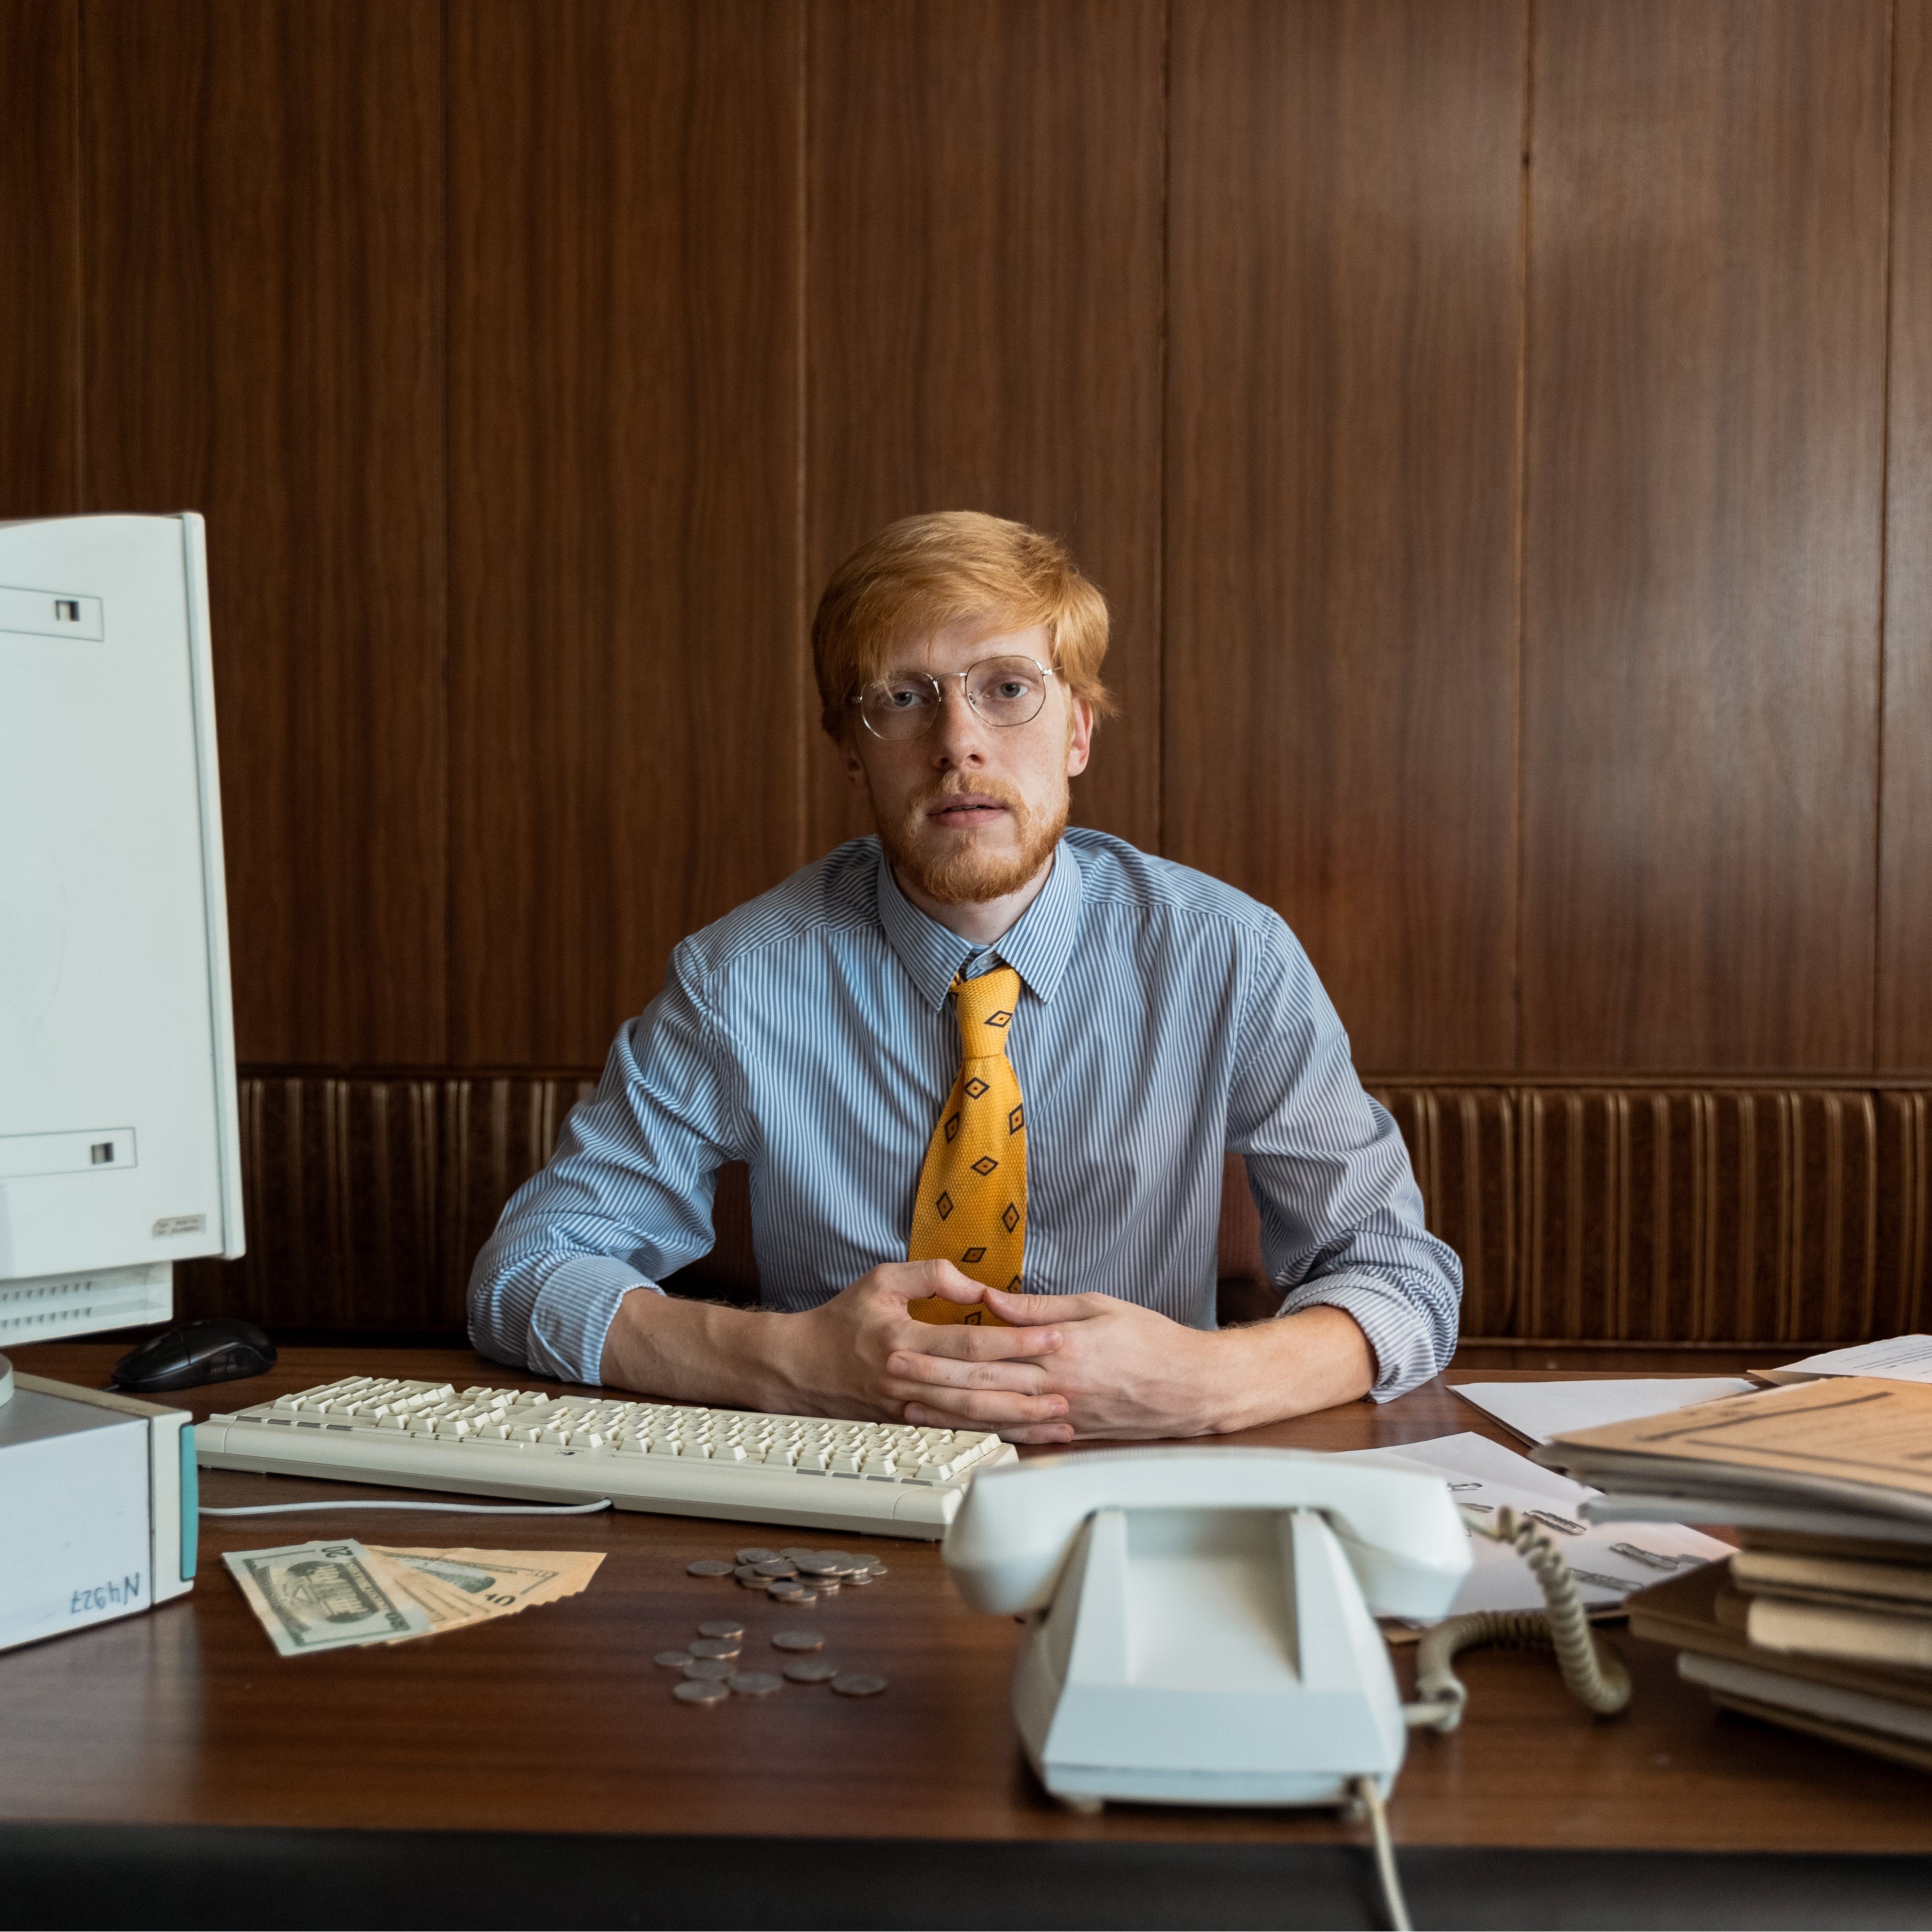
(185, 1716)
(1341, 497)
(1905, 906)
(263, 246)
(1705, 418)
(985, 315)
(40, 235)
(627, 694)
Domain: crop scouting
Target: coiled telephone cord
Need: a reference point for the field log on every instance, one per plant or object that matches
(1594, 1672)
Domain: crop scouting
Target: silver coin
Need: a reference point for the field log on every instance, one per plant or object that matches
(753, 1582)
(844, 1558)
(755, 1554)
(798, 1640)
(860, 1579)
(858, 1683)
(756, 1683)
(672, 1660)
(816, 1566)
(812, 1670)
(783, 1590)
(707, 1566)
(828, 1586)
(742, 1570)
(794, 1554)
(709, 1670)
(776, 1566)
(700, 1692)
(795, 1599)
(715, 1646)
(721, 1627)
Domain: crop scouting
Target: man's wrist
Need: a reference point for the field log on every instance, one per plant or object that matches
(1317, 1358)
(687, 1351)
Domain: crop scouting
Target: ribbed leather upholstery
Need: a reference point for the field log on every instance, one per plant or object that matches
(1654, 1215)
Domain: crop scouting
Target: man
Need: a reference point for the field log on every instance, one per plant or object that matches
(984, 1071)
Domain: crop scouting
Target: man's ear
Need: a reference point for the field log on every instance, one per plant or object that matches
(1079, 737)
(855, 770)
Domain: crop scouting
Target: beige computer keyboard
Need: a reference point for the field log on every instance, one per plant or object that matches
(881, 1477)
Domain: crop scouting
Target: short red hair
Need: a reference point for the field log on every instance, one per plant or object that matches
(923, 573)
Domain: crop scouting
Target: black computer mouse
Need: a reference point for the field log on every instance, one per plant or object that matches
(219, 1351)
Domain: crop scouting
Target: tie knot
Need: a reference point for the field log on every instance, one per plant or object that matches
(986, 1008)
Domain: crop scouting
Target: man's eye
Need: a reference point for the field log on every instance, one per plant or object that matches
(903, 697)
(1010, 688)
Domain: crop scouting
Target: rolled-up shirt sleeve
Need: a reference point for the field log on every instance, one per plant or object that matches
(1342, 1217)
(625, 1201)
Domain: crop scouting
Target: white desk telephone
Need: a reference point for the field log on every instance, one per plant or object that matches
(1201, 1627)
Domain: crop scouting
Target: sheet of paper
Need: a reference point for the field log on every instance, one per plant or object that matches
(1470, 1457)
(1904, 1358)
(1539, 1410)
(1609, 1562)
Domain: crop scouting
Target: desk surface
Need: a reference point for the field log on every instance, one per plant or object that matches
(558, 1721)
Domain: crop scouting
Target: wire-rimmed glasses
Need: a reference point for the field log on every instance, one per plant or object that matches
(1003, 691)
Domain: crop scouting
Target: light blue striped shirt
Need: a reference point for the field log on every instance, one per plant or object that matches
(1164, 1018)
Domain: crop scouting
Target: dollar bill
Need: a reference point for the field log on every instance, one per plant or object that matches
(327, 1595)
(457, 1587)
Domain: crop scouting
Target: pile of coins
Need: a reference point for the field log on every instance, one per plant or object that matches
(708, 1665)
(794, 1576)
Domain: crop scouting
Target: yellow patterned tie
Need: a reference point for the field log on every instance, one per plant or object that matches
(971, 1209)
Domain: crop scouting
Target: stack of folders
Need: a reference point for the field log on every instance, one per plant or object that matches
(1822, 1621)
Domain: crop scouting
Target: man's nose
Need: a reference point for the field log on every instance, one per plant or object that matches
(959, 733)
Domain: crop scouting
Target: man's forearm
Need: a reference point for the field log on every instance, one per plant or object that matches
(1290, 1365)
(689, 1352)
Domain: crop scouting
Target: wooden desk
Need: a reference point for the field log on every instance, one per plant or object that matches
(176, 1753)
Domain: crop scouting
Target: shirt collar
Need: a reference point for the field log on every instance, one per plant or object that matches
(1038, 948)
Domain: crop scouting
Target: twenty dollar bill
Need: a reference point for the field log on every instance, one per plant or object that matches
(324, 1596)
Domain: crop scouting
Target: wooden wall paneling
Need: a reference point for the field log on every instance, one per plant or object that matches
(626, 686)
(263, 239)
(985, 315)
(1905, 905)
(1904, 1297)
(40, 233)
(1704, 436)
(1344, 269)
(1462, 1143)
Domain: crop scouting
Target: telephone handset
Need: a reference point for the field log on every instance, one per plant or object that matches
(1201, 1631)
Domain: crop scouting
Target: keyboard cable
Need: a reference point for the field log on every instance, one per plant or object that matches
(441, 1509)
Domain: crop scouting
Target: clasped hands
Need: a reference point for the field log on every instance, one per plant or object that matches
(1067, 1365)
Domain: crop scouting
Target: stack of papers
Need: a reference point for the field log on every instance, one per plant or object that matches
(1608, 1563)
(1847, 1456)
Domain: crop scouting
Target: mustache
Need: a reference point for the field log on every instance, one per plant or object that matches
(934, 795)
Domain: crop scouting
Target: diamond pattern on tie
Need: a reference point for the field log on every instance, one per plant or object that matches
(971, 1206)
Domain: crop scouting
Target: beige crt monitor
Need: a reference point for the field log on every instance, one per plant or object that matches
(119, 1153)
